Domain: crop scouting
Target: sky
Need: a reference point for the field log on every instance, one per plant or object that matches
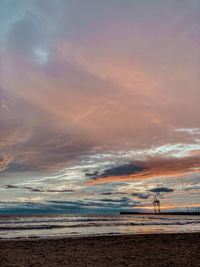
(99, 105)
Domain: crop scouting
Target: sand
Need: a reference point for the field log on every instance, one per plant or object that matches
(132, 250)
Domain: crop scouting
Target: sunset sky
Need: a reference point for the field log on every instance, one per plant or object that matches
(99, 105)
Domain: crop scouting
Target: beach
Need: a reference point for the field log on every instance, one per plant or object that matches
(117, 250)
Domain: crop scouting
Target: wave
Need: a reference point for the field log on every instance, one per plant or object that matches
(164, 223)
(175, 218)
(30, 227)
(57, 221)
(37, 227)
(42, 227)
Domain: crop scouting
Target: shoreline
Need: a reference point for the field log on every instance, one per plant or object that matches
(175, 249)
(63, 237)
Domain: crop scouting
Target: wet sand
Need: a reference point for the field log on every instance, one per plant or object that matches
(132, 250)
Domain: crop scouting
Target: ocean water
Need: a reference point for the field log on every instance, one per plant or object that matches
(43, 226)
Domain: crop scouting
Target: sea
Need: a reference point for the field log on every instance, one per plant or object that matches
(57, 226)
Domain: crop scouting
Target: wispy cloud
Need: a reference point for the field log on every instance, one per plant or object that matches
(37, 190)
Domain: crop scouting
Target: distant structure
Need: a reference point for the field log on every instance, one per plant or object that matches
(156, 204)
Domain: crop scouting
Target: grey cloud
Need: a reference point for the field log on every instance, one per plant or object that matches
(11, 186)
(95, 173)
(113, 193)
(125, 169)
(190, 187)
(119, 200)
(140, 195)
(162, 190)
(24, 35)
(100, 189)
(32, 189)
(99, 203)
(32, 30)
(16, 167)
(60, 191)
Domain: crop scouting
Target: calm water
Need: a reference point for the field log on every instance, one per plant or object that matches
(29, 226)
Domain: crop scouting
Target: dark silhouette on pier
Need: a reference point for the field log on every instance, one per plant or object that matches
(156, 204)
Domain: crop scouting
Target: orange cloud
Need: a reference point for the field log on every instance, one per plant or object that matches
(156, 168)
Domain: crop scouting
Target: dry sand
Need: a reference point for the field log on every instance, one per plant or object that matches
(132, 250)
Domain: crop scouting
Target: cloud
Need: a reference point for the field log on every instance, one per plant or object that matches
(60, 191)
(4, 161)
(140, 195)
(190, 187)
(122, 170)
(11, 186)
(32, 137)
(152, 168)
(115, 204)
(24, 27)
(119, 200)
(125, 169)
(81, 105)
(112, 193)
(37, 190)
(162, 190)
